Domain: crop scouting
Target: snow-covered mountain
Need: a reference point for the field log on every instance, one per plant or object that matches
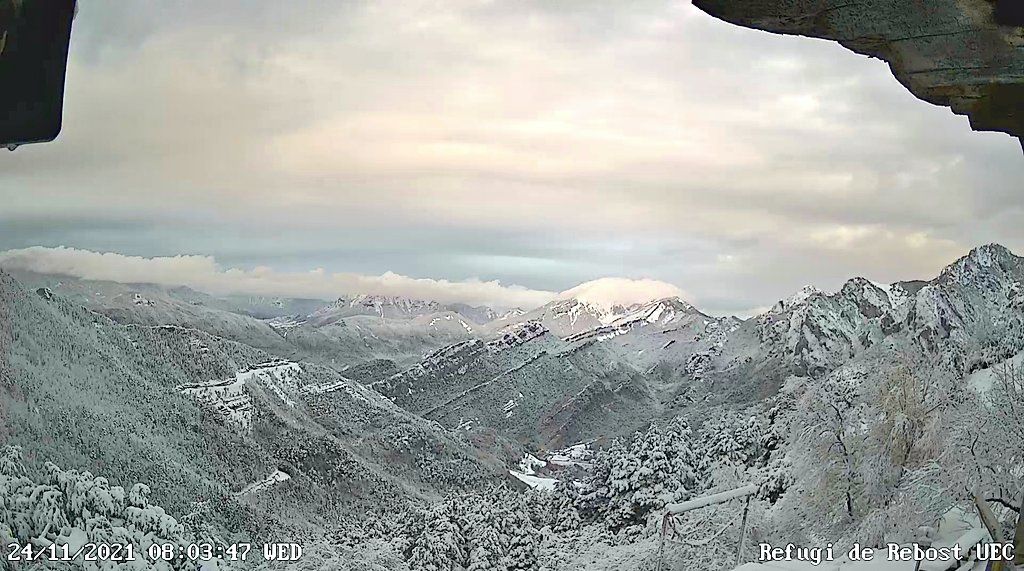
(372, 400)
(565, 317)
(676, 351)
(979, 295)
(396, 307)
(595, 304)
(385, 307)
(132, 400)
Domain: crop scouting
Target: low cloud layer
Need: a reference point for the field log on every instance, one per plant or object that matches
(204, 274)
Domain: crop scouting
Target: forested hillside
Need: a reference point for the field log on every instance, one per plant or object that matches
(860, 416)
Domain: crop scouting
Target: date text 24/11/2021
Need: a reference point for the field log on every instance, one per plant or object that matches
(117, 552)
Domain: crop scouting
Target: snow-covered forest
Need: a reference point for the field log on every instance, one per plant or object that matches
(149, 416)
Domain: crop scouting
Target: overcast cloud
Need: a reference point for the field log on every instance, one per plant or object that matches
(540, 144)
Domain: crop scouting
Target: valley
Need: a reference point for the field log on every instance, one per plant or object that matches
(284, 418)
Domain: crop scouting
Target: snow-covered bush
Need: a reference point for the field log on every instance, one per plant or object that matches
(70, 507)
(496, 529)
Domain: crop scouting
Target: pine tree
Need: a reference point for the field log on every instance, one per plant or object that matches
(485, 538)
(656, 467)
(523, 547)
(441, 546)
(567, 517)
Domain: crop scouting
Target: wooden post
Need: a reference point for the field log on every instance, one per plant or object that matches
(1018, 533)
(992, 524)
(661, 546)
(703, 502)
(743, 532)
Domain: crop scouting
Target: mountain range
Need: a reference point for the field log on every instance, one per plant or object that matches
(371, 395)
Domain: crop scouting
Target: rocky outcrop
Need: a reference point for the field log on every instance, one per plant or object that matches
(964, 54)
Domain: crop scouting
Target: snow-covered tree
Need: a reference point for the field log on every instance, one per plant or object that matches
(486, 537)
(71, 507)
(861, 438)
(523, 545)
(441, 545)
(634, 477)
(567, 517)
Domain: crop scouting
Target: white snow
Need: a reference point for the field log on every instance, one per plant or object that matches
(285, 323)
(352, 388)
(516, 335)
(278, 376)
(228, 397)
(983, 380)
(535, 482)
(75, 540)
(510, 408)
(575, 455)
(275, 477)
(609, 293)
(800, 296)
(530, 464)
(896, 295)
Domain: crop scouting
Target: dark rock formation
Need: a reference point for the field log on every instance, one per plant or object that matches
(964, 54)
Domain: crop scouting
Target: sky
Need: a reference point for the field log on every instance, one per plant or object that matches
(493, 152)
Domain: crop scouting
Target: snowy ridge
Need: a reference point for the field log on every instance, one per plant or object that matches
(353, 389)
(402, 308)
(981, 291)
(818, 331)
(667, 311)
(381, 303)
(516, 335)
(446, 358)
(797, 298)
(228, 397)
(384, 307)
(568, 317)
(447, 321)
(664, 313)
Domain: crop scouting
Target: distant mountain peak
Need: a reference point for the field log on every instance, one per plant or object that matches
(978, 265)
(609, 294)
(992, 249)
(676, 302)
(797, 298)
(373, 300)
(664, 311)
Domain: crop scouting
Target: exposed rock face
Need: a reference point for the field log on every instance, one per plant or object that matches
(964, 54)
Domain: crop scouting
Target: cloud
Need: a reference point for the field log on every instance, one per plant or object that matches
(204, 274)
(609, 292)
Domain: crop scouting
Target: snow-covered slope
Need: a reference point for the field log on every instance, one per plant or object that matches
(173, 404)
(663, 314)
(599, 303)
(525, 383)
(977, 299)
